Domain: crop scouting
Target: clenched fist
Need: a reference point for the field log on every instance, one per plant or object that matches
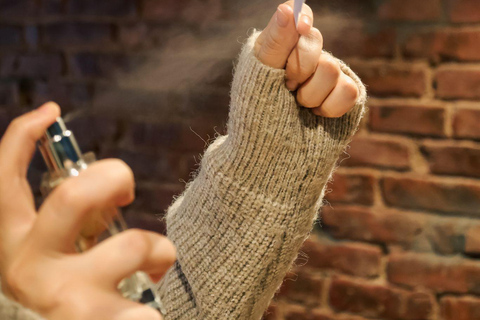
(313, 73)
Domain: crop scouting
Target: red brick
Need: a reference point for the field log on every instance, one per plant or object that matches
(447, 237)
(472, 240)
(465, 123)
(351, 258)
(362, 40)
(410, 10)
(77, 34)
(39, 65)
(375, 152)
(271, 313)
(369, 225)
(373, 300)
(351, 188)
(452, 159)
(436, 273)
(115, 8)
(303, 287)
(417, 119)
(446, 44)
(300, 313)
(460, 308)
(441, 196)
(463, 10)
(458, 83)
(389, 79)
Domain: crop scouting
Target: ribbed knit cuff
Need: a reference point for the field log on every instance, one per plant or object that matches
(274, 146)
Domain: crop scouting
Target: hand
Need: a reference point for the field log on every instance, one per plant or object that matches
(316, 75)
(38, 265)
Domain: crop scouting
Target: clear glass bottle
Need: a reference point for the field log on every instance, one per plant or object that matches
(64, 159)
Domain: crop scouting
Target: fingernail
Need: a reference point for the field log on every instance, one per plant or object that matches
(282, 18)
(306, 20)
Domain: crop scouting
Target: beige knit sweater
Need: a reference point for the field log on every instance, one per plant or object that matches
(239, 225)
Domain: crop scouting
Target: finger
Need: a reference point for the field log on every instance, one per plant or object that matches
(17, 208)
(305, 21)
(303, 60)
(316, 89)
(122, 255)
(340, 100)
(102, 186)
(19, 141)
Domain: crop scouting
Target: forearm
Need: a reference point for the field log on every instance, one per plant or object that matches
(241, 222)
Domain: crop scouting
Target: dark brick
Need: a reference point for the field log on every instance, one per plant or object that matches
(460, 308)
(452, 159)
(351, 258)
(465, 123)
(31, 36)
(134, 35)
(463, 10)
(387, 79)
(373, 300)
(410, 10)
(18, 8)
(145, 221)
(66, 95)
(155, 198)
(371, 225)
(92, 132)
(7, 64)
(416, 119)
(40, 65)
(153, 135)
(351, 188)
(444, 44)
(4, 121)
(115, 8)
(102, 65)
(458, 83)
(381, 153)
(161, 167)
(77, 34)
(435, 273)
(168, 10)
(442, 196)
(8, 93)
(10, 36)
(52, 7)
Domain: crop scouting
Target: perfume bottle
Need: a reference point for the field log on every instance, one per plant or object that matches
(64, 159)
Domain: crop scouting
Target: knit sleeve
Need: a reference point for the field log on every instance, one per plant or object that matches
(240, 223)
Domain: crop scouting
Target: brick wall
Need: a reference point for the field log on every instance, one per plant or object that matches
(147, 81)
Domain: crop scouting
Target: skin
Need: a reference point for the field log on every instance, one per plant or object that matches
(38, 263)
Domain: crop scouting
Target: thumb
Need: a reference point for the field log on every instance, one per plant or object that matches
(276, 42)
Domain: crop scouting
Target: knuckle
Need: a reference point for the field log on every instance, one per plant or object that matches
(304, 100)
(66, 195)
(18, 125)
(137, 241)
(118, 171)
(317, 36)
(330, 67)
(350, 90)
